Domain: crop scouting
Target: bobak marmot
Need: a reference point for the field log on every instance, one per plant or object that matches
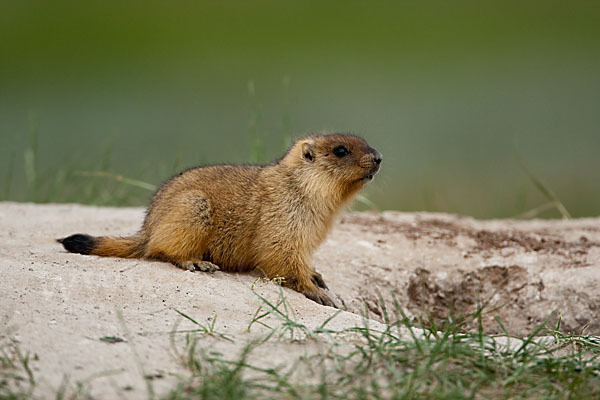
(244, 217)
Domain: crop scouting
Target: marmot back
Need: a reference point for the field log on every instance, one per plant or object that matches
(245, 217)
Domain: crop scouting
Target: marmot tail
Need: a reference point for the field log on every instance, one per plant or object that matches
(106, 246)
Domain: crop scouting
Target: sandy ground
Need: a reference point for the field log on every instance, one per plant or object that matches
(58, 305)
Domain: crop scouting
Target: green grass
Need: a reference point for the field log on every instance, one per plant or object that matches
(89, 181)
(16, 377)
(439, 88)
(406, 359)
(94, 182)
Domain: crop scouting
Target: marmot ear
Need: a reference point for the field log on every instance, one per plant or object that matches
(308, 150)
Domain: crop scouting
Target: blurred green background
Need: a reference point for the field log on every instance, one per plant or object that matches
(449, 92)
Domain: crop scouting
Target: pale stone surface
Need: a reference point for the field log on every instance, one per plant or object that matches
(57, 305)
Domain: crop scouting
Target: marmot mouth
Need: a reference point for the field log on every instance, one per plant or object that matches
(368, 176)
(371, 174)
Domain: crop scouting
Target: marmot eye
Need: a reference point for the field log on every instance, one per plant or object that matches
(340, 151)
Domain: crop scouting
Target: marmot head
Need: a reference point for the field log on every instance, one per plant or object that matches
(344, 163)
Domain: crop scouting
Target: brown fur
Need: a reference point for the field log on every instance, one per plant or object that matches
(270, 217)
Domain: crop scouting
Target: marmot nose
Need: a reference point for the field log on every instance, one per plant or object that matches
(377, 157)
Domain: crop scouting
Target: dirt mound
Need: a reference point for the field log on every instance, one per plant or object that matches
(59, 305)
(522, 272)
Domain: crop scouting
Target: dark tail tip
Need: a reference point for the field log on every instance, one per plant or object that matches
(78, 243)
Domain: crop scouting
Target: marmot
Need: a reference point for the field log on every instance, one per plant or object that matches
(244, 217)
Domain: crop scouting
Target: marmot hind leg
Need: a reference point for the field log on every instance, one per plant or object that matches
(179, 234)
(182, 247)
(189, 264)
(180, 255)
(199, 265)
